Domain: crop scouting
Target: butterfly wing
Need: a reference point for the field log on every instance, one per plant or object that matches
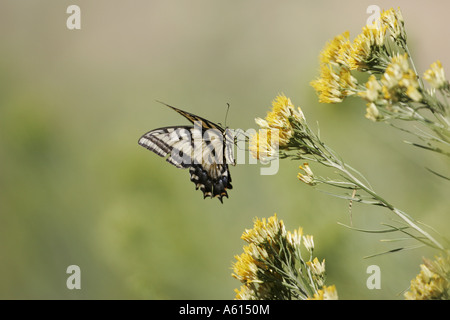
(172, 143)
(210, 172)
(206, 124)
(207, 165)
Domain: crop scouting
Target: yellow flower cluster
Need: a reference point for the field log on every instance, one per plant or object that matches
(398, 84)
(277, 128)
(400, 80)
(433, 281)
(380, 49)
(326, 293)
(335, 81)
(251, 267)
(393, 20)
(270, 260)
(265, 230)
(367, 52)
(435, 76)
(363, 53)
(318, 271)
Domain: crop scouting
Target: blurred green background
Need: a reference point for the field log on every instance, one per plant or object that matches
(75, 187)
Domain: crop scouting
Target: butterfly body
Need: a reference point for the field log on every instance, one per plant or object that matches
(204, 148)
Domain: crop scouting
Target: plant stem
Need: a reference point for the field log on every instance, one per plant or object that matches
(410, 221)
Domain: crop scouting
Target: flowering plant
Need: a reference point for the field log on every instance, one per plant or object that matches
(393, 89)
(393, 92)
(273, 267)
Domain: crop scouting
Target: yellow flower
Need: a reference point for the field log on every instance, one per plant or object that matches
(365, 48)
(327, 86)
(280, 116)
(249, 264)
(395, 70)
(344, 54)
(413, 93)
(333, 86)
(317, 267)
(393, 20)
(307, 176)
(295, 238)
(433, 281)
(245, 268)
(279, 128)
(400, 80)
(335, 81)
(435, 76)
(372, 112)
(326, 293)
(347, 82)
(333, 52)
(245, 293)
(264, 230)
(271, 261)
(255, 251)
(373, 89)
(409, 81)
(308, 242)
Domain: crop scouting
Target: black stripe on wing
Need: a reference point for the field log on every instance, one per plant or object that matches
(175, 143)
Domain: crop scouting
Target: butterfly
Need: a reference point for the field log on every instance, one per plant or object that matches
(205, 148)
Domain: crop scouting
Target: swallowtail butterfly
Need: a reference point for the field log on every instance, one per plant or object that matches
(205, 148)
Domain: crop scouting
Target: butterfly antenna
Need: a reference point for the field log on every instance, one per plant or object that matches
(226, 115)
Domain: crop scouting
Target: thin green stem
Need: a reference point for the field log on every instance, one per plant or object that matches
(414, 66)
(409, 220)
